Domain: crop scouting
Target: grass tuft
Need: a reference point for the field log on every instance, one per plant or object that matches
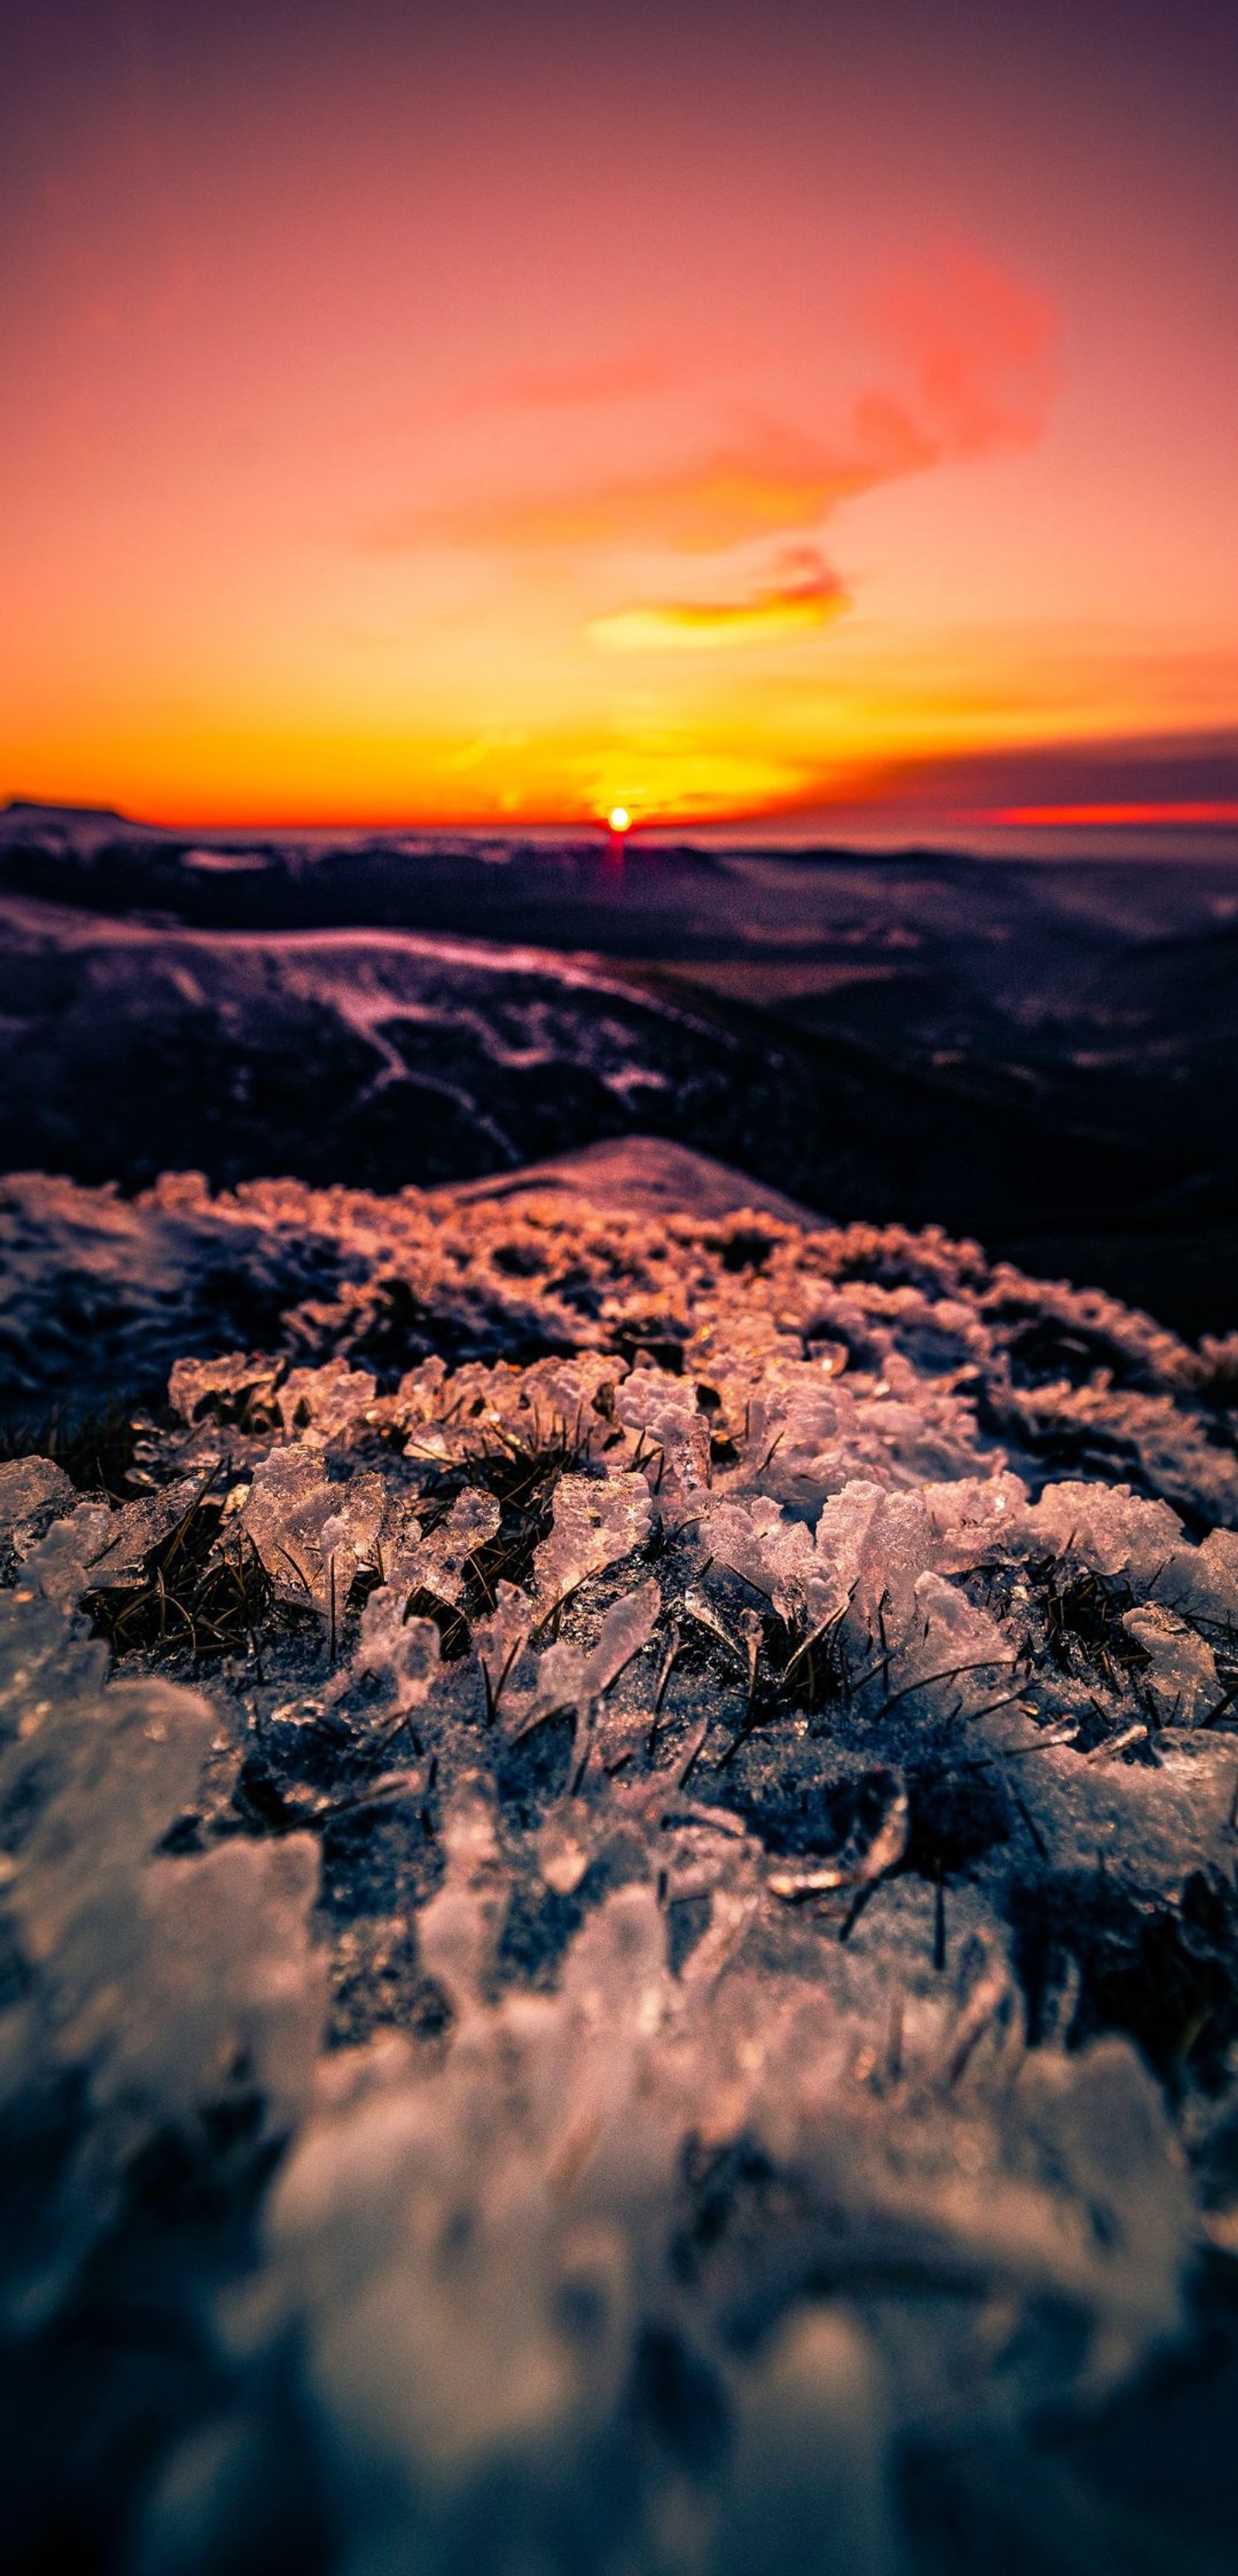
(200, 1595)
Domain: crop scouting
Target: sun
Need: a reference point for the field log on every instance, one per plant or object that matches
(619, 819)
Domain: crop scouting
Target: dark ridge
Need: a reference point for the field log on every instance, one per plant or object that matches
(180, 1060)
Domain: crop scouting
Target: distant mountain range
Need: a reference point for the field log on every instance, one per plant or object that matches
(1045, 1056)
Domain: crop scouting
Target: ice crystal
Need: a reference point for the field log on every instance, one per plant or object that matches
(33, 1493)
(596, 1522)
(310, 1535)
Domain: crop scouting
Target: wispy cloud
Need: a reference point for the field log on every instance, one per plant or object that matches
(806, 596)
(765, 480)
(970, 371)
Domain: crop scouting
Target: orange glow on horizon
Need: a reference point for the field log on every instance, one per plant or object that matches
(1167, 816)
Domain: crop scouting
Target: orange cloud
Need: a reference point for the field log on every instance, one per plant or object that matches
(770, 479)
(971, 372)
(808, 594)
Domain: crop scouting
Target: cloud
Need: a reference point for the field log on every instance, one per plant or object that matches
(1175, 781)
(761, 483)
(979, 347)
(807, 595)
(969, 371)
(1156, 771)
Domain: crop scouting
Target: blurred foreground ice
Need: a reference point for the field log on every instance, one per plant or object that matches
(676, 1872)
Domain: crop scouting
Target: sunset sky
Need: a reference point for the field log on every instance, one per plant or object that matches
(481, 413)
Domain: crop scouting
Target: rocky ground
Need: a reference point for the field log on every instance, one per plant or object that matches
(621, 1946)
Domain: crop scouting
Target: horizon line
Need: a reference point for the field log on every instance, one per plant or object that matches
(902, 821)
